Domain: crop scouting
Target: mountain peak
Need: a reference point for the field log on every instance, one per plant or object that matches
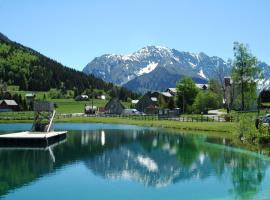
(148, 64)
(156, 48)
(153, 49)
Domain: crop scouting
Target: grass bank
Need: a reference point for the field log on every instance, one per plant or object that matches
(194, 126)
(209, 128)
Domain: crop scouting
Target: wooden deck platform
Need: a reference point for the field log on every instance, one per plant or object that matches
(27, 138)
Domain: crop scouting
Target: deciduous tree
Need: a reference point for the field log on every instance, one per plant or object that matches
(186, 93)
(245, 74)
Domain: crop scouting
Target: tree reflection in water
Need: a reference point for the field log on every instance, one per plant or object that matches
(151, 157)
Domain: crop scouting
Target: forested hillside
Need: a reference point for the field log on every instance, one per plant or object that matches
(33, 71)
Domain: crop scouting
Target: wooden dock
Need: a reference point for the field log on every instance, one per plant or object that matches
(27, 138)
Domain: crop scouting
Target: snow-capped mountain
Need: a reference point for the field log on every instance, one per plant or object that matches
(157, 68)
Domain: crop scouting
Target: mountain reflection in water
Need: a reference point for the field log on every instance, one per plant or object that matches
(148, 156)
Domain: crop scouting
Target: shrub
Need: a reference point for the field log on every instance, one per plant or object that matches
(205, 100)
(246, 129)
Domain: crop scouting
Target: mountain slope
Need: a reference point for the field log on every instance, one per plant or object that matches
(155, 68)
(156, 81)
(4, 38)
(20, 65)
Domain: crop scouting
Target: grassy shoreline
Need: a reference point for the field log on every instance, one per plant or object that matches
(222, 130)
(209, 128)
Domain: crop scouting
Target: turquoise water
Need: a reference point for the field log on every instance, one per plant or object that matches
(99, 161)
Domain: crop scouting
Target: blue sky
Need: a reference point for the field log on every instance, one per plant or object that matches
(73, 32)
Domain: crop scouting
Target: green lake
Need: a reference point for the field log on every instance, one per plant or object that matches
(121, 162)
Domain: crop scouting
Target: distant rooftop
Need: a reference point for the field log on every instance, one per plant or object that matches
(9, 102)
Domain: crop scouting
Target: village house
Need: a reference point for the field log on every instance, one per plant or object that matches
(8, 105)
(163, 97)
(148, 104)
(114, 106)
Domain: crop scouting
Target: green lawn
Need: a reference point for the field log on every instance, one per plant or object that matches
(72, 106)
(220, 127)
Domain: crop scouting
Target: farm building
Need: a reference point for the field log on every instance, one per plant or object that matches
(114, 106)
(148, 104)
(8, 105)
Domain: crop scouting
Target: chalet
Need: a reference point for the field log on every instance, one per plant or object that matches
(162, 97)
(114, 106)
(148, 104)
(82, 97)
(8, 105)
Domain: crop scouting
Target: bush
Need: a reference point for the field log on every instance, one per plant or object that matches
(205, 100)
(246, 129)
